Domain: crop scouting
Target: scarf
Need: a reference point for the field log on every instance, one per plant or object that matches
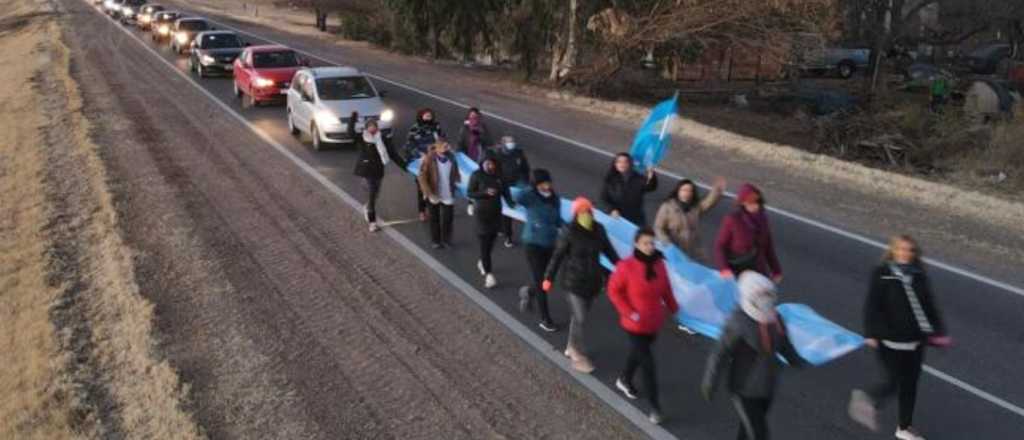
(906, 273)
(649, 262)
(685, 206)
(443, 158)
(382, 150)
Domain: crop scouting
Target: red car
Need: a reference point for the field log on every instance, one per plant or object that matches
(264, 73)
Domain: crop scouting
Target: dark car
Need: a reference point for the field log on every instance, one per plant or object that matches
(163, 24)
(145, 17)
(214, 52)
(185, 30)
(130, 10)
(985, 59)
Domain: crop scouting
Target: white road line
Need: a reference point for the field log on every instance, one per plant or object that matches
(594, 385)
(833, 229)
(536, 342)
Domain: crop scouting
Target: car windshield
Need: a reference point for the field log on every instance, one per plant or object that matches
(220, 41)
(284, 58)
(349, 87)
(193, 25)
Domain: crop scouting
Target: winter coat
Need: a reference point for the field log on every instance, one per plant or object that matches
(626, 195)
(888, 314)
(427, 178)
(421, 136)
(488, 207)
(484, 140)
(631, 292)
(543, 218)
(515, 169)
(743, 234)
(672, 225)
(753, 369)
(576, 259)
(369, 164)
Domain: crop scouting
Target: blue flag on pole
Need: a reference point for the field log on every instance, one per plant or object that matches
(654, 137)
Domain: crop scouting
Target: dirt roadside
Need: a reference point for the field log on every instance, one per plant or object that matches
(77, 346)
(287, 318)
(956, 223)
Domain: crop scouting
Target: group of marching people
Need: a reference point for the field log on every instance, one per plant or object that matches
(900, 315)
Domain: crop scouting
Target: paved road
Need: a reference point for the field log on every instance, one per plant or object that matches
(823, 270)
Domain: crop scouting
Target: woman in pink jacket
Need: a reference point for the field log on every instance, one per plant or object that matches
(640, 291)
(745, 240)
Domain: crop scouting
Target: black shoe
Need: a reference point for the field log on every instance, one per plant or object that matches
(548, 326)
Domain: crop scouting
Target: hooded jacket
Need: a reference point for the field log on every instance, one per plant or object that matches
(743, 233)
(752, 368)
(370, 164)
(427, 178)
(488, 207)
(484, 140)
(631, 292)
(888, 314)
(515, 169)
(576, 259)
(674, 225)
(543, 218)
(421, 136)
(626, 195)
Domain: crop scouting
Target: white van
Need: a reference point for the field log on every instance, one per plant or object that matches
(321, 101)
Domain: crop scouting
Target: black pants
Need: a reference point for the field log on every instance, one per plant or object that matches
(902, 369)
(538, 257)
(441, 222)
(753, 417)
(506, 227)
(421, 203)
(641, 356)
(486, 247)
(372, 186)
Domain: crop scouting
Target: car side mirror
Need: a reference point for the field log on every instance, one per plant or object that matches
(304, 62)
(246, 44)
(383, 93)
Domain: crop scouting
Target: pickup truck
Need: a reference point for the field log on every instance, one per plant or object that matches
(811, 54)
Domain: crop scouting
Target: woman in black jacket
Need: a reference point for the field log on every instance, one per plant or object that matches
(577, 260)
(487, 189)
(374, 154)
(624, 189)
(752, 336)
(424, 133)
(900, 318)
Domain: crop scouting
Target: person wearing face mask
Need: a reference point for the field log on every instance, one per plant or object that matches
(678, 218)
(487, 190)
(577, 262)
(639, 289)
(515, 171)
(374, 154)
(624, 189)
(745, 239)
(540, 232)
(438, 177)
(747, 350)
(474, 140)
(900, 319)
(423, 133)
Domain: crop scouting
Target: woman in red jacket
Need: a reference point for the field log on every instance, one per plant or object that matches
(640, 290)
(745, 241)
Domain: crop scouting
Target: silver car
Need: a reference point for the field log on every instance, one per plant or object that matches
(321, 101)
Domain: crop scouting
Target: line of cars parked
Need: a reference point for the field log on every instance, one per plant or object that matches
(319, 101)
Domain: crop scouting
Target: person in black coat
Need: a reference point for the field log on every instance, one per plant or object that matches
(624, 189)
(487, 189)
(900, 319)
(423, 133)
(515, 171)
(374, 154)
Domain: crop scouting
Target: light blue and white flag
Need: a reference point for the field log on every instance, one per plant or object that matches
(654, 137)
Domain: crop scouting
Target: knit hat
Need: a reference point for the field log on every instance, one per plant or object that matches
(581, 204)
(540, 175)
(747, 193)
(757, 296)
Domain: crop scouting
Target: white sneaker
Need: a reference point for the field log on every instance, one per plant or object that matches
(366, 213)
(908, 434)
(625, 388)
(490, 281)
(469, 209)
(862, 410)
(655, 417)
(480, 267)
(374, 227)
(687, 330)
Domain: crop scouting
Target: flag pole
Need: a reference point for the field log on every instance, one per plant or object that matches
(668, 120)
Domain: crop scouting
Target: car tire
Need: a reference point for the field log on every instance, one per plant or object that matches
(292, 128)
(315, 134)
(846, 69)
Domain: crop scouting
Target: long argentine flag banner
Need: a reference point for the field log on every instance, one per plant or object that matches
(705, 299)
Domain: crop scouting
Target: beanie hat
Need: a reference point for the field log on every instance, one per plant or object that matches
(747, 193)
(581, 204)
(540, 175)
(757, 296)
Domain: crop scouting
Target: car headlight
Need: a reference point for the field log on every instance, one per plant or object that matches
(387, 115)
(144, 18)
(206, 59)
(164, 30)
(327, 118)
(262, 82)
(182, 38)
